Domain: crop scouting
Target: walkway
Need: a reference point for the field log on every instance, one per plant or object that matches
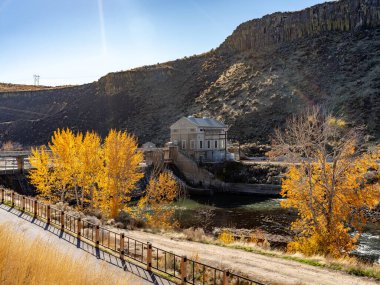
(133, 274)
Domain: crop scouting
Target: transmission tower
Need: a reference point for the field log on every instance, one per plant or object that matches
(36, 79)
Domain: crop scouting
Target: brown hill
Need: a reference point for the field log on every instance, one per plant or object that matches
(266, 70)
(9, 87)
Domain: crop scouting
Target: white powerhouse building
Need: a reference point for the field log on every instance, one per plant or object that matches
(203, 139)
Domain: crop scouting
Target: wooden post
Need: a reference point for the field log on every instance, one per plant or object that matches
(13, 198)
(79, 227)
(2, 195)
(35, 208)
(97, 236)
(48, 214)
(121, 246)
(23, 203)
(62, 220)
(149, 257)
(183, 270)
(226, 275)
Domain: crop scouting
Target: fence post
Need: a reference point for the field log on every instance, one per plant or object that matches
(48, 214)
(23, 203)
(226, 275)
(13, 198)
(183, 270)
(121, 246)
(79, 228)
(97, 236)
(35, 208)
(2, 195)
(149, 257)
(62, 220)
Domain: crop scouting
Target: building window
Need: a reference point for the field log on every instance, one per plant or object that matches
(200, 144)
(183, 144)
(216, 144)
(192, 144)
(222, 143)
(208, 144)
(175, 142)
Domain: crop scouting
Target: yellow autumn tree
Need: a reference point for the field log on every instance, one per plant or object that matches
(119, 174)
(64, 146)
(90, 163)
(160, 192)
(41, 170)
(329, 185)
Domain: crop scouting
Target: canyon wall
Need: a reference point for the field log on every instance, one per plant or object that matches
(340, 16)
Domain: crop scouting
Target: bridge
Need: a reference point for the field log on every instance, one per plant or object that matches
(13, 162)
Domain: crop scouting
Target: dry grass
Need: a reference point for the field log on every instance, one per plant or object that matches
(8, 87)
(23, 261)
(194, 234)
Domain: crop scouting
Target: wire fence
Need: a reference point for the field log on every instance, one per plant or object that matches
(185, 270)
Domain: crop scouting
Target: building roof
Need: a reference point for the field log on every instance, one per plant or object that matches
(206, 122)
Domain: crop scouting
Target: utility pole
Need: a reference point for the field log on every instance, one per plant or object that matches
(36, 79)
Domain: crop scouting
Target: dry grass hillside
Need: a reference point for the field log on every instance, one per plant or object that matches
(9, 87)
(265, 71)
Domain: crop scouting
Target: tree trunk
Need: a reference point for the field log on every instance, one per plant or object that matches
(76, 195)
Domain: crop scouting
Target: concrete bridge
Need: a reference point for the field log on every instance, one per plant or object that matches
(14, 162)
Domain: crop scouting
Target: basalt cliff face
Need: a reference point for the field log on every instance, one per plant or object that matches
(339, 16)
(265, 71)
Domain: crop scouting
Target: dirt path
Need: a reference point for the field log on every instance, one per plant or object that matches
(68, 244)
(269, 270)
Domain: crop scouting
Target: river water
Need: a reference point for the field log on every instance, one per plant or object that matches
(253, 212)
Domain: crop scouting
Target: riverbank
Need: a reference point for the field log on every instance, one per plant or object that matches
(246, 214)
(270, 267)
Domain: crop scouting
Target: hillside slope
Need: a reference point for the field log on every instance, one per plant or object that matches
(266, 70)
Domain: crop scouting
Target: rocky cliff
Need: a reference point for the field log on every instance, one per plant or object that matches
(266, 70)
(339, 16)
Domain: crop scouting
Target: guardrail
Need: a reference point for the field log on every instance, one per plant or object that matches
(9, 165)
(184, 270)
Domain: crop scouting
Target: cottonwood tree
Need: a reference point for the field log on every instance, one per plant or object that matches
(119, 174)
(329, 183)
(64, 146)
(90, 163)
(40, 174)
(81, 167)
(160, 192)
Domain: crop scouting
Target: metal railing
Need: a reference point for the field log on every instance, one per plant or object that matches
(185, 270)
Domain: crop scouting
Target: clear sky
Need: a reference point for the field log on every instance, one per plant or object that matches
(78, 41)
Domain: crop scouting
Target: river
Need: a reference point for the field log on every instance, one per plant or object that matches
(253, 212)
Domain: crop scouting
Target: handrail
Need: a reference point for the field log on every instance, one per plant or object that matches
(187, 271)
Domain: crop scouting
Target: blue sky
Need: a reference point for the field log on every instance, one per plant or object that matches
(78, 41)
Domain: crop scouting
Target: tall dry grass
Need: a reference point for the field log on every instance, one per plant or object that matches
(32, 262)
